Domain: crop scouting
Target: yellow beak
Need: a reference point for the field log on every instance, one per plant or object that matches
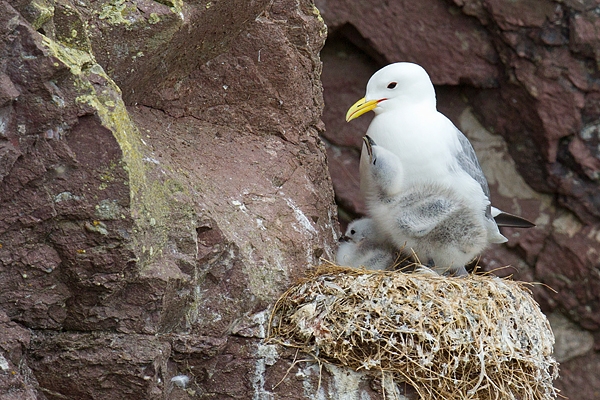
(359, 108)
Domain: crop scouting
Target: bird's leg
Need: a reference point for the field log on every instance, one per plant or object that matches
(459, 272)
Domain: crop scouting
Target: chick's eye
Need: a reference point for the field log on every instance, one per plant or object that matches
(392, 85)
(352, 231)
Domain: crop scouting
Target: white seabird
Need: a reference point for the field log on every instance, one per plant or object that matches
(429, 192)
(361, 246)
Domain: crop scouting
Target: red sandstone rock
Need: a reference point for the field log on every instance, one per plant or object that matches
(432, 33)
(162, 181)
(585, 34)
(17, 382)
(170, 221)
(579, 377)
(525, 13)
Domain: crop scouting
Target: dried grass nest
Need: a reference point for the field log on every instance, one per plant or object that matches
(476, 337)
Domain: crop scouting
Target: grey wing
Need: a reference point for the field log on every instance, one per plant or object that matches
(419, 216)
(468, 162)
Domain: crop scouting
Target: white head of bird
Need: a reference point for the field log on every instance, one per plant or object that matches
(394, 86)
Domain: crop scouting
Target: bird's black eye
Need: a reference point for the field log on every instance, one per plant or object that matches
(352, 231)
(392, 85)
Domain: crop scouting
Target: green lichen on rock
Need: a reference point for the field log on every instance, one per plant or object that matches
(109, 210)
(175, 5)
(71, 28)
(42, 12)
(121, 12)
(108, 175)
(151, 196)
(317, 13)
(153, 19)
(116, 11)
(75, 60)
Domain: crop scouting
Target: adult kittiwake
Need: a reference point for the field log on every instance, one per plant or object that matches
(428, 194)
(361, 245)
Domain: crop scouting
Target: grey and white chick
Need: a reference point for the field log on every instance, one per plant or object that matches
(441, 228)
(362, 245)
(448, 219)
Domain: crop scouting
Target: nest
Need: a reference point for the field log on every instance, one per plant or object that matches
(476, 337)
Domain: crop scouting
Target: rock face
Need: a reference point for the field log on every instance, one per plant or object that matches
(520, 78)
(162, 181)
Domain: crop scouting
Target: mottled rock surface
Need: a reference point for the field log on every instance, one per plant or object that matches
(162, 181)
(520, 78)
(16, 379)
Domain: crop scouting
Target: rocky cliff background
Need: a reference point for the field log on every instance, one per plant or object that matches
(521, 80)
(161, 183)
(162, 178)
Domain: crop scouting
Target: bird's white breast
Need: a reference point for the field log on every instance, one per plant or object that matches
(422, 140)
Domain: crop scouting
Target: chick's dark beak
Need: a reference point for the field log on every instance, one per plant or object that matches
(344, 238)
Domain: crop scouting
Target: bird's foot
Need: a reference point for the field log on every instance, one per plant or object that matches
(457, 272)
(369, 143)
